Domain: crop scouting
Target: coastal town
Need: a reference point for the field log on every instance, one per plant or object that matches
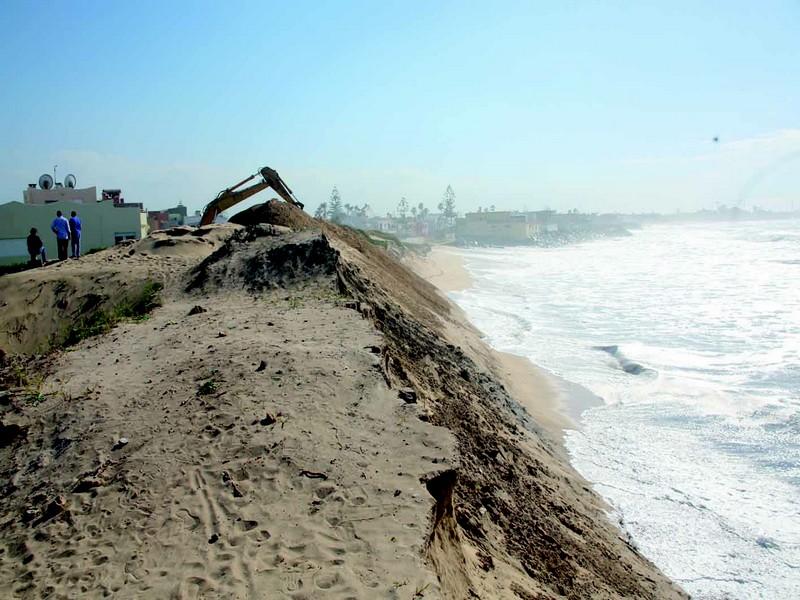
(110, 220)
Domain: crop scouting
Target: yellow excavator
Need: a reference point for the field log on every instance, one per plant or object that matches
(232, 195)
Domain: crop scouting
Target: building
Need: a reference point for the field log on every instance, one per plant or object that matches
(103, 225)
(494, 228)
(542, 221)
(385, 224)
(157, 220)
(169, 217)
(115, 196)
(59, 193)
(194, 220)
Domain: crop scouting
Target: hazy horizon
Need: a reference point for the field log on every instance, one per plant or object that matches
(608, 107)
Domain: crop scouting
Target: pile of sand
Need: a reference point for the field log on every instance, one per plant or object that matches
(282, 444)
(274, 212)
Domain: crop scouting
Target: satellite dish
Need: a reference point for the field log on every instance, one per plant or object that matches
(69, 181)
(46, 181)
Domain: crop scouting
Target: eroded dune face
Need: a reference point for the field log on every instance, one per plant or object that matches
(325, 424)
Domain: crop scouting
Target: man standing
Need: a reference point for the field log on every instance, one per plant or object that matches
(60, 226)
(75, 234)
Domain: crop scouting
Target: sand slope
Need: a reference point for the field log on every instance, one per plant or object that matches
(376, 452)
(326, 498)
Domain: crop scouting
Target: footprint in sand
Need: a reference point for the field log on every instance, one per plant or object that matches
(324, 491)
(326, 581)
(249, 525)
(292, 584)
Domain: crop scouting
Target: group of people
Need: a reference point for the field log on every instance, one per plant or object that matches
(68, 234)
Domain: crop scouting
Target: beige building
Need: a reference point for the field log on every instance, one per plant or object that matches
(103, 225)
(495, 228)
(34, 195)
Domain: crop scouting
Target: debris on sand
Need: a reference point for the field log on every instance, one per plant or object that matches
(196, 310)
(407, 395)
(268, 420)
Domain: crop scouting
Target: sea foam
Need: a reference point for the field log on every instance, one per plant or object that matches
(699, 452)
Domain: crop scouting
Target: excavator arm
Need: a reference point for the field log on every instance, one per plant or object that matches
(232, 195)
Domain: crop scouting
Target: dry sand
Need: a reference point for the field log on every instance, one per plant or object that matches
(327, 426)
(444, 267)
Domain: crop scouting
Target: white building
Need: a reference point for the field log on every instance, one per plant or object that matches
(59, 193)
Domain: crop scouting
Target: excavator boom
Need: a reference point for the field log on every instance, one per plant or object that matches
(231, 196)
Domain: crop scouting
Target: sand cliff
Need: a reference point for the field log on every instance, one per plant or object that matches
(325, 424)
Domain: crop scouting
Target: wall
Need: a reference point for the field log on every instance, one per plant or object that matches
(101, 223)
(59, 194)
(493, 228)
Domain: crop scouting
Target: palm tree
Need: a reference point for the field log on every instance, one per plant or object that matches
(402, 208)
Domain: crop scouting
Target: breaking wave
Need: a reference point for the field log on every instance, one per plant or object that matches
(697, 444)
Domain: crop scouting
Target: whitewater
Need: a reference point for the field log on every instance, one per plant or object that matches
(697, 451)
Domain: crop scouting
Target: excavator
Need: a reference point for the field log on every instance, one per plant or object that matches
(232, 195)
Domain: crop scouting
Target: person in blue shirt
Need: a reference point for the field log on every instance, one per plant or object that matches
(60, 226)
(75, 234)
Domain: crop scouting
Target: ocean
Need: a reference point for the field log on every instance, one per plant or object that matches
(689, 335)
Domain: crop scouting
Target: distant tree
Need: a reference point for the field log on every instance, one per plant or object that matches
(402, 208)
(422, 212)
(491, 208)
(335, 210)
(448, 205)
(414, 212)
(322, 211)
(480, 209)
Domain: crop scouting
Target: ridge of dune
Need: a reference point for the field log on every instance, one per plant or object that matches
(325, 424)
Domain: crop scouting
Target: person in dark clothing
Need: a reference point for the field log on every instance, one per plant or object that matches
(75, 234)
(36, 248)
(60, 226)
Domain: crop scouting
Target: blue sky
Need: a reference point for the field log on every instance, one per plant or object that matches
(593, 105)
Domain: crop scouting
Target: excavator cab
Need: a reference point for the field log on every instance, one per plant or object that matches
(233, 195)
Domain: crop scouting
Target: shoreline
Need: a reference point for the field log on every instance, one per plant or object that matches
(554, 402)
(377, 425)
(443, 267)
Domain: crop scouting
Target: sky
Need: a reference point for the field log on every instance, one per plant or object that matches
(599, 106)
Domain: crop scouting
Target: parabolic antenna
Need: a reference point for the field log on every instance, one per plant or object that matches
(70, 181)
(46, 181)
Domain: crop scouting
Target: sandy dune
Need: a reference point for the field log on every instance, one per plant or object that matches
(210, 495)
(327, 426)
